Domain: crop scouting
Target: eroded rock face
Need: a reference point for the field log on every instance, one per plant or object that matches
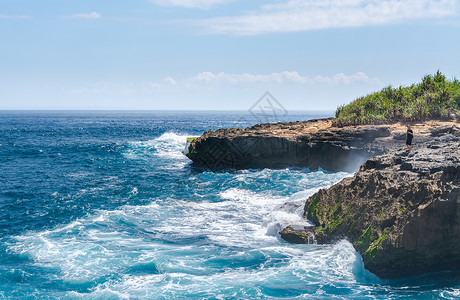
(400, 211)
(310, 144)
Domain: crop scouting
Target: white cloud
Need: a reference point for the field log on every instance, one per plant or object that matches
(168, 81)
(105, 88)
(203, 4)
(303, 15)
(341, 78)
(208, 77)
(91, 15)
(285, 77)
(10, 17)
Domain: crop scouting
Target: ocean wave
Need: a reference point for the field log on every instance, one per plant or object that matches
(169, 145)
(95, 247)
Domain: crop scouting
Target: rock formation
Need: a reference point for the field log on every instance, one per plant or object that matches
(310, 144)
(400, 211)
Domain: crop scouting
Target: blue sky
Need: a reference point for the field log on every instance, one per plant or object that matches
(218, 54)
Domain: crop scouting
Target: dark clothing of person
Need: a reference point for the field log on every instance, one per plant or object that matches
(409, 136)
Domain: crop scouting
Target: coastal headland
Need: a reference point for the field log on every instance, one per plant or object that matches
(311, 144)
(401, 209)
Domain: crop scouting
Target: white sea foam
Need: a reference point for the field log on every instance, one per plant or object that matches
(450, 294)
(134, 191)
(308, 265)
(169, 147)
(229, 244)
(79, 174)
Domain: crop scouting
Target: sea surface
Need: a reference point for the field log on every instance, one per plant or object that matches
(105, 205)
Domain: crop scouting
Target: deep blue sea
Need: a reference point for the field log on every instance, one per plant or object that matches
(105, 205)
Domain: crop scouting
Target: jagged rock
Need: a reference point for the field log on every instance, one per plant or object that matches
(400, 211)
(443, 130)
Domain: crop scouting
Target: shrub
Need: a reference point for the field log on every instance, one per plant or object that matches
(434, 98)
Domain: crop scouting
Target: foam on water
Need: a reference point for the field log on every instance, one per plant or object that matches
(166, 151)
(168, 145)
(176, 247)
(153, 227)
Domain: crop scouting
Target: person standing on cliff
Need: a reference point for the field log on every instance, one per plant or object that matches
(409, 137)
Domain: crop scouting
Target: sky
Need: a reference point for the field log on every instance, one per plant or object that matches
(218, 54)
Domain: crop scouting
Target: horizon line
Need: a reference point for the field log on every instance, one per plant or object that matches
(151, 110)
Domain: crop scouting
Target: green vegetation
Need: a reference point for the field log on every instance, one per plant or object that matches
(371, 252)
(434, 98)
(369, 243)
(365, 240)
(329, 220)
(188, 147)
(311, 212)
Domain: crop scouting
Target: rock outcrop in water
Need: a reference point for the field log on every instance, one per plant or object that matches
(400, 211)
(312, 144)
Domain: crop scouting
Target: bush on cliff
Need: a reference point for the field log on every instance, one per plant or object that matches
(434, 98)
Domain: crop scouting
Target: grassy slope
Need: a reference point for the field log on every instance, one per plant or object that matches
(434, 98)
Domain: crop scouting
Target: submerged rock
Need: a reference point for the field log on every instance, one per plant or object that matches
(400, 211)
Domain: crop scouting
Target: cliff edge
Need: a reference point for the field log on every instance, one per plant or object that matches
(310, 144)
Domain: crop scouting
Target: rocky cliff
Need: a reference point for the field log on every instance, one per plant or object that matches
(400, 211)
(310, 144)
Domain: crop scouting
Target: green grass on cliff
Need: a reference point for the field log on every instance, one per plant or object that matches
(434, 98)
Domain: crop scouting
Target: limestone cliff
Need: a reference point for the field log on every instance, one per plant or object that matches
(310, 144)
(400, 211)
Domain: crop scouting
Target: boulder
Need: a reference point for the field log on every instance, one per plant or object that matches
(299, 235)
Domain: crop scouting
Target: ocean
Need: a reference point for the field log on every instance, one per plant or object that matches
(105, 205)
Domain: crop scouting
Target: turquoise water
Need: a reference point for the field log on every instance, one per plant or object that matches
(104, 205)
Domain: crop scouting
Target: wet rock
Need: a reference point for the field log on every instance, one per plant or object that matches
(299, 235)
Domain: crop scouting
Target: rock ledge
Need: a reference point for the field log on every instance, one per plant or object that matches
(311, 144)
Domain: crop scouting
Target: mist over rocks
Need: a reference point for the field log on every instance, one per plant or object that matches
(400, 211)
